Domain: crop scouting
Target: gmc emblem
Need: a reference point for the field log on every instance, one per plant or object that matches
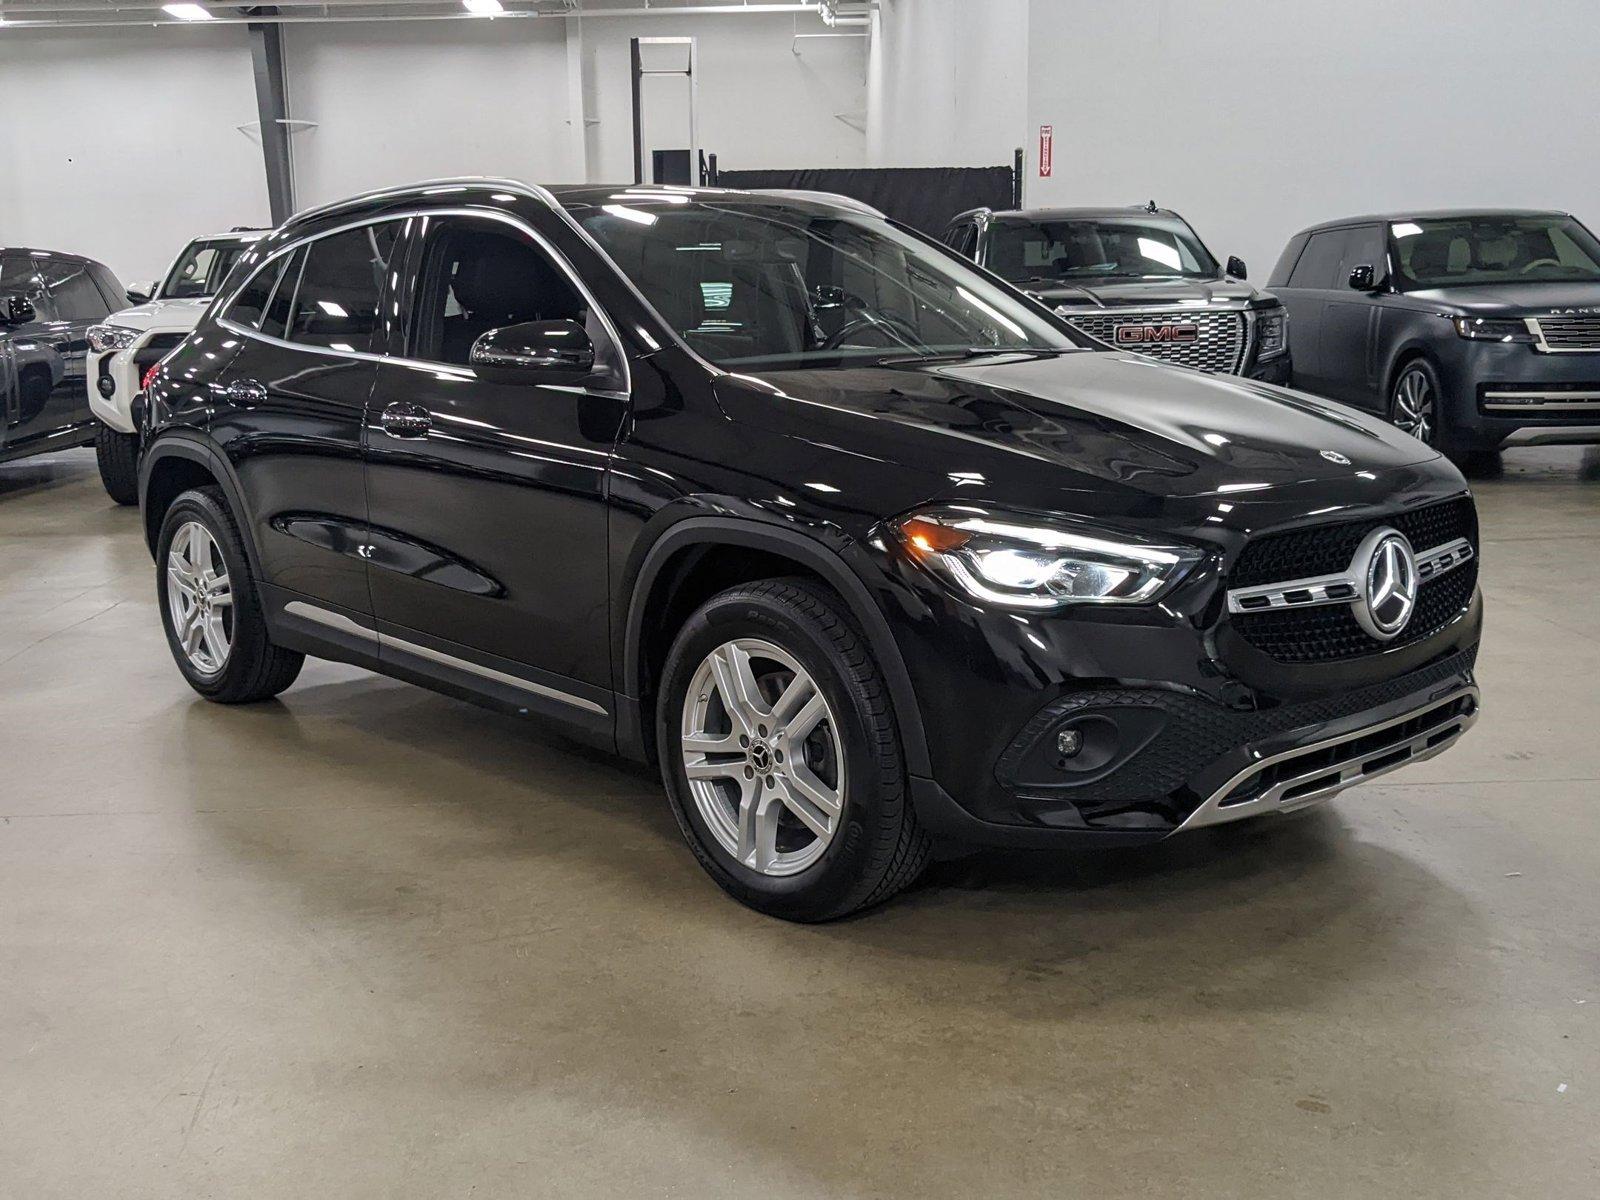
(1133, 335)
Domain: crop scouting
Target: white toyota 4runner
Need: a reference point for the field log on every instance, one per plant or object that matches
(133, 340)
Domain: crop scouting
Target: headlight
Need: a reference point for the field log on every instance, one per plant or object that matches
(1026, 562)
(1272, 334)
(1480, 329)
(111, 337)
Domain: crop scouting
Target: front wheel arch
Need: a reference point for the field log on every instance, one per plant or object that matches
(708, 534)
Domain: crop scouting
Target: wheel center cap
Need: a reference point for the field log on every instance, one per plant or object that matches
(761, 757)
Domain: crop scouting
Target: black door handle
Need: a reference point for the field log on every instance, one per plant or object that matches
(405, 420)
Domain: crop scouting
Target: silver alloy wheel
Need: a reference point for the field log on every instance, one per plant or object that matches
(1413, 405)
(763, 756)
(200, 597)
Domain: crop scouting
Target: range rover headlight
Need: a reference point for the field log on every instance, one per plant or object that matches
(1017, 561)
(1481, 329)
(111, 337)
(1272, 334)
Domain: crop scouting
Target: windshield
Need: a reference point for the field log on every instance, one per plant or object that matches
(1491, 249)
(762, 282)
(201, 268)
(1132, 247)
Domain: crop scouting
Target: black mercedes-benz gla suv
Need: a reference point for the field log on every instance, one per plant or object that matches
(855, 541)
(1472, 330)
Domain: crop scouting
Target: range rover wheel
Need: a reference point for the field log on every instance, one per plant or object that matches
(118, 456)
(1414, 403)
(210, 608)
(781, 757)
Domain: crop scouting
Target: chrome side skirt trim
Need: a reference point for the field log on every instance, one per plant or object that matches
(386, 641)
(1326, 778)
(1341, 588)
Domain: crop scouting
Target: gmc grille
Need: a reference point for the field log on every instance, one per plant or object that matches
(1221, 345)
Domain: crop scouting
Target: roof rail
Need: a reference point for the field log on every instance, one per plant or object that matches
(457, 182)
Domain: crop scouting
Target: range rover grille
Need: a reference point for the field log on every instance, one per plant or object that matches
(1220, 338)
(1328, 633)
(1575, 331)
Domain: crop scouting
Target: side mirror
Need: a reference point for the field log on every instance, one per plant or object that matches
(16, 310)
(1361, 277)
(140, 293)
(1236, 267)
(534, 352)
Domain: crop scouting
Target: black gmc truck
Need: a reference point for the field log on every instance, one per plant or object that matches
(1135, 278)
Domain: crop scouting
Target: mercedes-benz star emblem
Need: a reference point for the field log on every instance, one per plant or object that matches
(1386, 567)
(1335, 457)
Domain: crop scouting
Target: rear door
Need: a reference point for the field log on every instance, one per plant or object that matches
(1306, 295)
(46, 396)
(290, 407)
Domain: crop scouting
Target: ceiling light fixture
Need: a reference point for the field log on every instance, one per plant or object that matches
(483, 8)
(188, 12)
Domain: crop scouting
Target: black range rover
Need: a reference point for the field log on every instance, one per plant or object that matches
(864, 549)
(1135, 278)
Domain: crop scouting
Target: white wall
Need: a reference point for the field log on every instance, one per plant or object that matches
(121, 144)
(949, 83)
(422, 100)
(1255, 118)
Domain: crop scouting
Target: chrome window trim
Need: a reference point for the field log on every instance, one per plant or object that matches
(1431, 564)
(386, 641)
(464, 372)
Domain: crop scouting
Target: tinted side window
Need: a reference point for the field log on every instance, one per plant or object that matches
(19, 276)
(252, 299)
(341, 284)
(75, 295)
(479, 275)
(1365, 245)
(1319, 265)
(275, 321)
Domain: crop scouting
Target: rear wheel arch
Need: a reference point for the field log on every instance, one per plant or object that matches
(701, 556)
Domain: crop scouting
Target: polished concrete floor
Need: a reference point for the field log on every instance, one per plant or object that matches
(371, 942)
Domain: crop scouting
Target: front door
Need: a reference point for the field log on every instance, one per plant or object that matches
(488, 499)
(48, 353)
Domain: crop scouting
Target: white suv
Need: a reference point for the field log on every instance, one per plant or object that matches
(135, 339)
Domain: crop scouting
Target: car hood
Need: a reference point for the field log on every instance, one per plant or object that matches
(162, 314)
(1085, 420)
(1513, 299)
(1143, 293)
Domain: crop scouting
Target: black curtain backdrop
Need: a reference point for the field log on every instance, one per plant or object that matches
(923, 197)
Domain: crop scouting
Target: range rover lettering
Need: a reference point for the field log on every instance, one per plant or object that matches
(865, 550)
(1472, 330)
(1135, 278)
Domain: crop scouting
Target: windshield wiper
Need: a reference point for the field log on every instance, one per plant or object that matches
(965, 353)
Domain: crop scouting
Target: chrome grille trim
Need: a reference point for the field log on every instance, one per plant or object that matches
(1443, 722)
(1521, 400)
(1222, 347)
(1565, 334)
(1343, 587)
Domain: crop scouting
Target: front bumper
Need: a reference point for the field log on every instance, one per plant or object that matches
(122, 372)
(1509, 394)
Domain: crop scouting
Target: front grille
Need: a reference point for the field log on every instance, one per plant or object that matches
(1330, 633)
(1220, 344)
(1327, 549)
(1573, 331)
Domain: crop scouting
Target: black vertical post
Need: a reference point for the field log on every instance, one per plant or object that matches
(1017, 166)
(638, 125)
(272, 107)
(711, 170)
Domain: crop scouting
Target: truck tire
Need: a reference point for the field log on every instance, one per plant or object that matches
(118, 456)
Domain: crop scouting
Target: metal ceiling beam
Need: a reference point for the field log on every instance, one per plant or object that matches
(105, 16)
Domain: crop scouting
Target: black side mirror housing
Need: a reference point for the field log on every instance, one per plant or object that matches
(1236, 267)
(1361, 277)
(16, 310)
(534, 352)
(140, 293)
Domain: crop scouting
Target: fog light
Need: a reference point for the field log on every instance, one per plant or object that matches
(107, 385)
(1069, 742)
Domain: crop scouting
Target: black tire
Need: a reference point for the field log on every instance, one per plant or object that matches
(118, 456)
(1415, 379)
(877, 847)
(253, 668)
